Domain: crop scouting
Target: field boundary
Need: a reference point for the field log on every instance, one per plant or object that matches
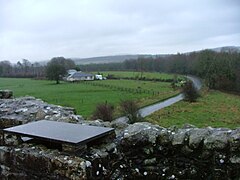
(129, 90)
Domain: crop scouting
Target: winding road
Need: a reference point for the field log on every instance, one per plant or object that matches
(155, 107)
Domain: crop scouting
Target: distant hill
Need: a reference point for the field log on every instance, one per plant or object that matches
(227, 49)
(121, 58)
(104, 59)
(220, 49)
(109, 59)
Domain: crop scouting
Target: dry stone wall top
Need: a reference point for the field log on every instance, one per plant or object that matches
(139, 151)
(27, 109)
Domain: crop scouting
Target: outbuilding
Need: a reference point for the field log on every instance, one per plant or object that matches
(98, 77)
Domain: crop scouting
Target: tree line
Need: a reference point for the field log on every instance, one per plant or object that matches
(220, 70)
(22, 69)
(53, 70)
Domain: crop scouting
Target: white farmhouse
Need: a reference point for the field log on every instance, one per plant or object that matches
(80, 76)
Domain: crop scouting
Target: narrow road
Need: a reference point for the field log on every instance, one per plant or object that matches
(155, 107)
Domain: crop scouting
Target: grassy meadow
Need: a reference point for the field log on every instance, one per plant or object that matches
(214, 108)
(143, 86)
(84, 97)
(134, 74)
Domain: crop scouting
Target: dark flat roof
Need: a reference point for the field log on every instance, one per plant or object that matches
(60, 132)
(80, 74)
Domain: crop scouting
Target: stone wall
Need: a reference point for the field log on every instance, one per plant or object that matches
(191, 153)
(36, 162)
(139, 151)
(27, 109)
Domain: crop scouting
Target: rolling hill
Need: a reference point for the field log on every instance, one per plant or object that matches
(121, 58)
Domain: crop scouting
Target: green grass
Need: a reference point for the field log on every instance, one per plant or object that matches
(214, 109)
(132, 74)
(83, 97)
(140, 85)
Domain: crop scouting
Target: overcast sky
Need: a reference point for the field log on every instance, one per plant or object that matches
(42, 29)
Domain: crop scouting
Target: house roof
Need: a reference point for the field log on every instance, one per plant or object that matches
(80, 74)
(71, 71)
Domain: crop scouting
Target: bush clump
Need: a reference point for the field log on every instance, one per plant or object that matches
(104, 112)
(130, 109)
(190, 92)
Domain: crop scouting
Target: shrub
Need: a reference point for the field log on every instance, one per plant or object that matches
(190, 92)
(104, 112)
(111, 76)
(130, 109)
(173, 85)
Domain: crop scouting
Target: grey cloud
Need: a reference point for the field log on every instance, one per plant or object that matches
(39, 30)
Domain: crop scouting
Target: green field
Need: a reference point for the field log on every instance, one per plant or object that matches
(143, 86)
(214, 109)
(133, 74)
(84, 97)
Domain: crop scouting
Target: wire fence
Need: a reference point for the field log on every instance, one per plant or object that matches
(125, 89)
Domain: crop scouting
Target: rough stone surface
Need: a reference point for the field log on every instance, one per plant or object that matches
(138, 151)
(26, 109)
(141, 133)
(219, 139)
(235, 140)
(196, 136)
(37, 162)
(180, 137)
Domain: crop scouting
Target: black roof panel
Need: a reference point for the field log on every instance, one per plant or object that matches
(60, 132)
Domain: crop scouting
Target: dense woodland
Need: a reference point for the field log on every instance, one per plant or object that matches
(220, 70)
(24, 69)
